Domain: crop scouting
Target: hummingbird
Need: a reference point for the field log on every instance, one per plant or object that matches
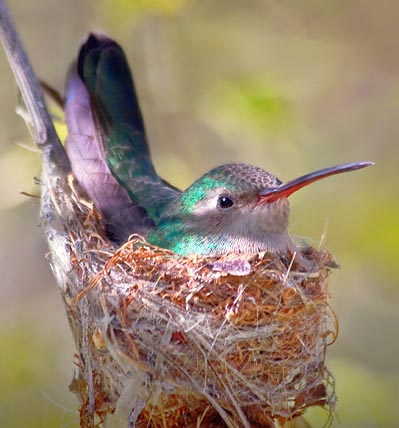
(233, 208)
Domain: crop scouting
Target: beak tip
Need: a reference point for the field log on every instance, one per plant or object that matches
(366, 163)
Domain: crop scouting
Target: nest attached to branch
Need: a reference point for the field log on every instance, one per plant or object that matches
(168, 342)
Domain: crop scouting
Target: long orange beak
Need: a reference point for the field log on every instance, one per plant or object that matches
(286, 189)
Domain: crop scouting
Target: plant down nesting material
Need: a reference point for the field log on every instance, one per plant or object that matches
(166, 341)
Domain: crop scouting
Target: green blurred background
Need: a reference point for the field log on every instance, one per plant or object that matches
(290, 86)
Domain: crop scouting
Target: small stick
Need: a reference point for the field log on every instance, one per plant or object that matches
(54, 155)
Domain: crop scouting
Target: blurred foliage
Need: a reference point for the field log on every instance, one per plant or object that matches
(127, 9)
(27, 367)
(27, 161)
(260, 105)
(357, 407)
(289, 86)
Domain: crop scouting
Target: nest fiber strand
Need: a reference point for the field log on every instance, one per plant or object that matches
(166, 341)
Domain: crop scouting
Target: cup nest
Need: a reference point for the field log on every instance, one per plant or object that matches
(167, 342)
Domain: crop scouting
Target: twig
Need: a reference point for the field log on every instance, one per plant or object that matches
(46, 138)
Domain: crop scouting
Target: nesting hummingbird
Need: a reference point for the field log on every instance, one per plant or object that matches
(236, 208)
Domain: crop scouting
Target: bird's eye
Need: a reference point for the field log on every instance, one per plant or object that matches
(225, 202)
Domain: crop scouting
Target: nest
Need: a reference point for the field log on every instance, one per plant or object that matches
(165, 341)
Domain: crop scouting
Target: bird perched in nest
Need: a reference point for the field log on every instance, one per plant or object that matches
(232, 208)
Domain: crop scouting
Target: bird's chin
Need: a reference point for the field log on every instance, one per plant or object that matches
(273, 218)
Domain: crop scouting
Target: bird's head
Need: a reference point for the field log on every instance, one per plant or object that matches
(242, 208)
(225, 206)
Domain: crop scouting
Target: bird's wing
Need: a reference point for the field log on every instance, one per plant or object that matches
(121, 215)
(103, 68)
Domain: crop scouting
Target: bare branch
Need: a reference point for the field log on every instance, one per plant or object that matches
(44, 132)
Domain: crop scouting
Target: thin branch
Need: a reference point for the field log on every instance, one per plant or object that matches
(44, 133)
